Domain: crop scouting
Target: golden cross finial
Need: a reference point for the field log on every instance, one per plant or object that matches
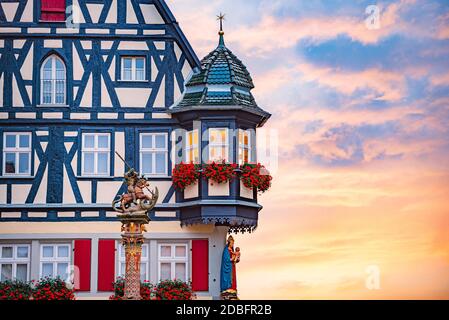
(221, 17)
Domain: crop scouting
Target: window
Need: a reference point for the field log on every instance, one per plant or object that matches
(53, 10)
(153, 153)
(17, 153)
(218, 144)
(55, 261)
(95, 154)
(244, 146)
(191, 154)
(173, 261)
(53, 84)
(15, 262)
(133, 68)
(144, 262)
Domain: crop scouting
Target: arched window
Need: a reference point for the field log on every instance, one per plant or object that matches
(53, 81)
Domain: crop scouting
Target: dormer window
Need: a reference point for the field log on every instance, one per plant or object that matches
(218, 145)
(53, 10)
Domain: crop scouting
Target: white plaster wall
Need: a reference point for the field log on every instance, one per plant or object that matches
(3, 193)
(19, 193)
(191, 191)
(78, 69)
(86, 100)
(155, 228)
(41, 195)
(133, 45)
(119, 166)
(133, 97)
(68, 195)
(245, 192)
(150, 14)
(218, 189)
(106, 190)
(85, 189)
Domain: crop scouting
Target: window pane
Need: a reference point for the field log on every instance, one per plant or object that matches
(22, 252)
(21, 272)
(165, 251)
(103, 141)
(180, 271)
(60, 91)
(160, 141)
(6, 272)
(140, 63)
(122, 251)
(147, 141)
(88, 162)
(10, 162)
(10, 141)
(144, 251)
(62, 270)
(147, 163)
(24, 141)
(127, 74)
(89, 141)
(122, 268)
(47, 252)
(246, 139)
(24, 162)
(143, 272)
(160, 163)
(180, 251)
(59, 65)
(165, 271)
(103, 163)
(63, 251)
(127, 63)
(48, 64)
(7, 252)
(47, 270)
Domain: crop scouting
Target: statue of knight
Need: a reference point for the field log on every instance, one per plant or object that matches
(133, 207)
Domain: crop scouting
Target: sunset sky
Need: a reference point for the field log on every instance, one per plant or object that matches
(362, 118)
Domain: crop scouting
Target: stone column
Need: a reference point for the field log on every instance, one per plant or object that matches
(133, 226)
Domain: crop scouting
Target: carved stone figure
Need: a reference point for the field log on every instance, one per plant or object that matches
(228, 281)
(135, 199)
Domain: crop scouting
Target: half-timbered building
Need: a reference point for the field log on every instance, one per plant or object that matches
(82, 80)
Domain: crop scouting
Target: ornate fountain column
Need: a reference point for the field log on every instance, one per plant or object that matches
(133, 226)
(133, 207)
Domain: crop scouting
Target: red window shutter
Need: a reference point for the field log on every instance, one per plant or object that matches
(53, 10)
(200, 265)
(82, 262)
(106, 264)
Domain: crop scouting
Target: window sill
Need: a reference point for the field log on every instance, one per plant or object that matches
(95, 177)
(132, 81)
(52, 106)
(16, 176)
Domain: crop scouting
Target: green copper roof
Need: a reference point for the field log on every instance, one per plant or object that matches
(222, 81)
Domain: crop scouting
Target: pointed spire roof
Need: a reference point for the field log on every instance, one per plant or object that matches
(223, 80)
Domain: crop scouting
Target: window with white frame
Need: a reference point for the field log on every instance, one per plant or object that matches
(55, 261)
(154, 154)
(96, 150)
(53, 81)
(15, 262)
(192, 150)
(172, 261)
(144, 262)
(17, 153)
(133, 68)
(245, 148)
(218, 145)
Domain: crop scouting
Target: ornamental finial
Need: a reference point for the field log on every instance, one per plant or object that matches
(221, 17)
